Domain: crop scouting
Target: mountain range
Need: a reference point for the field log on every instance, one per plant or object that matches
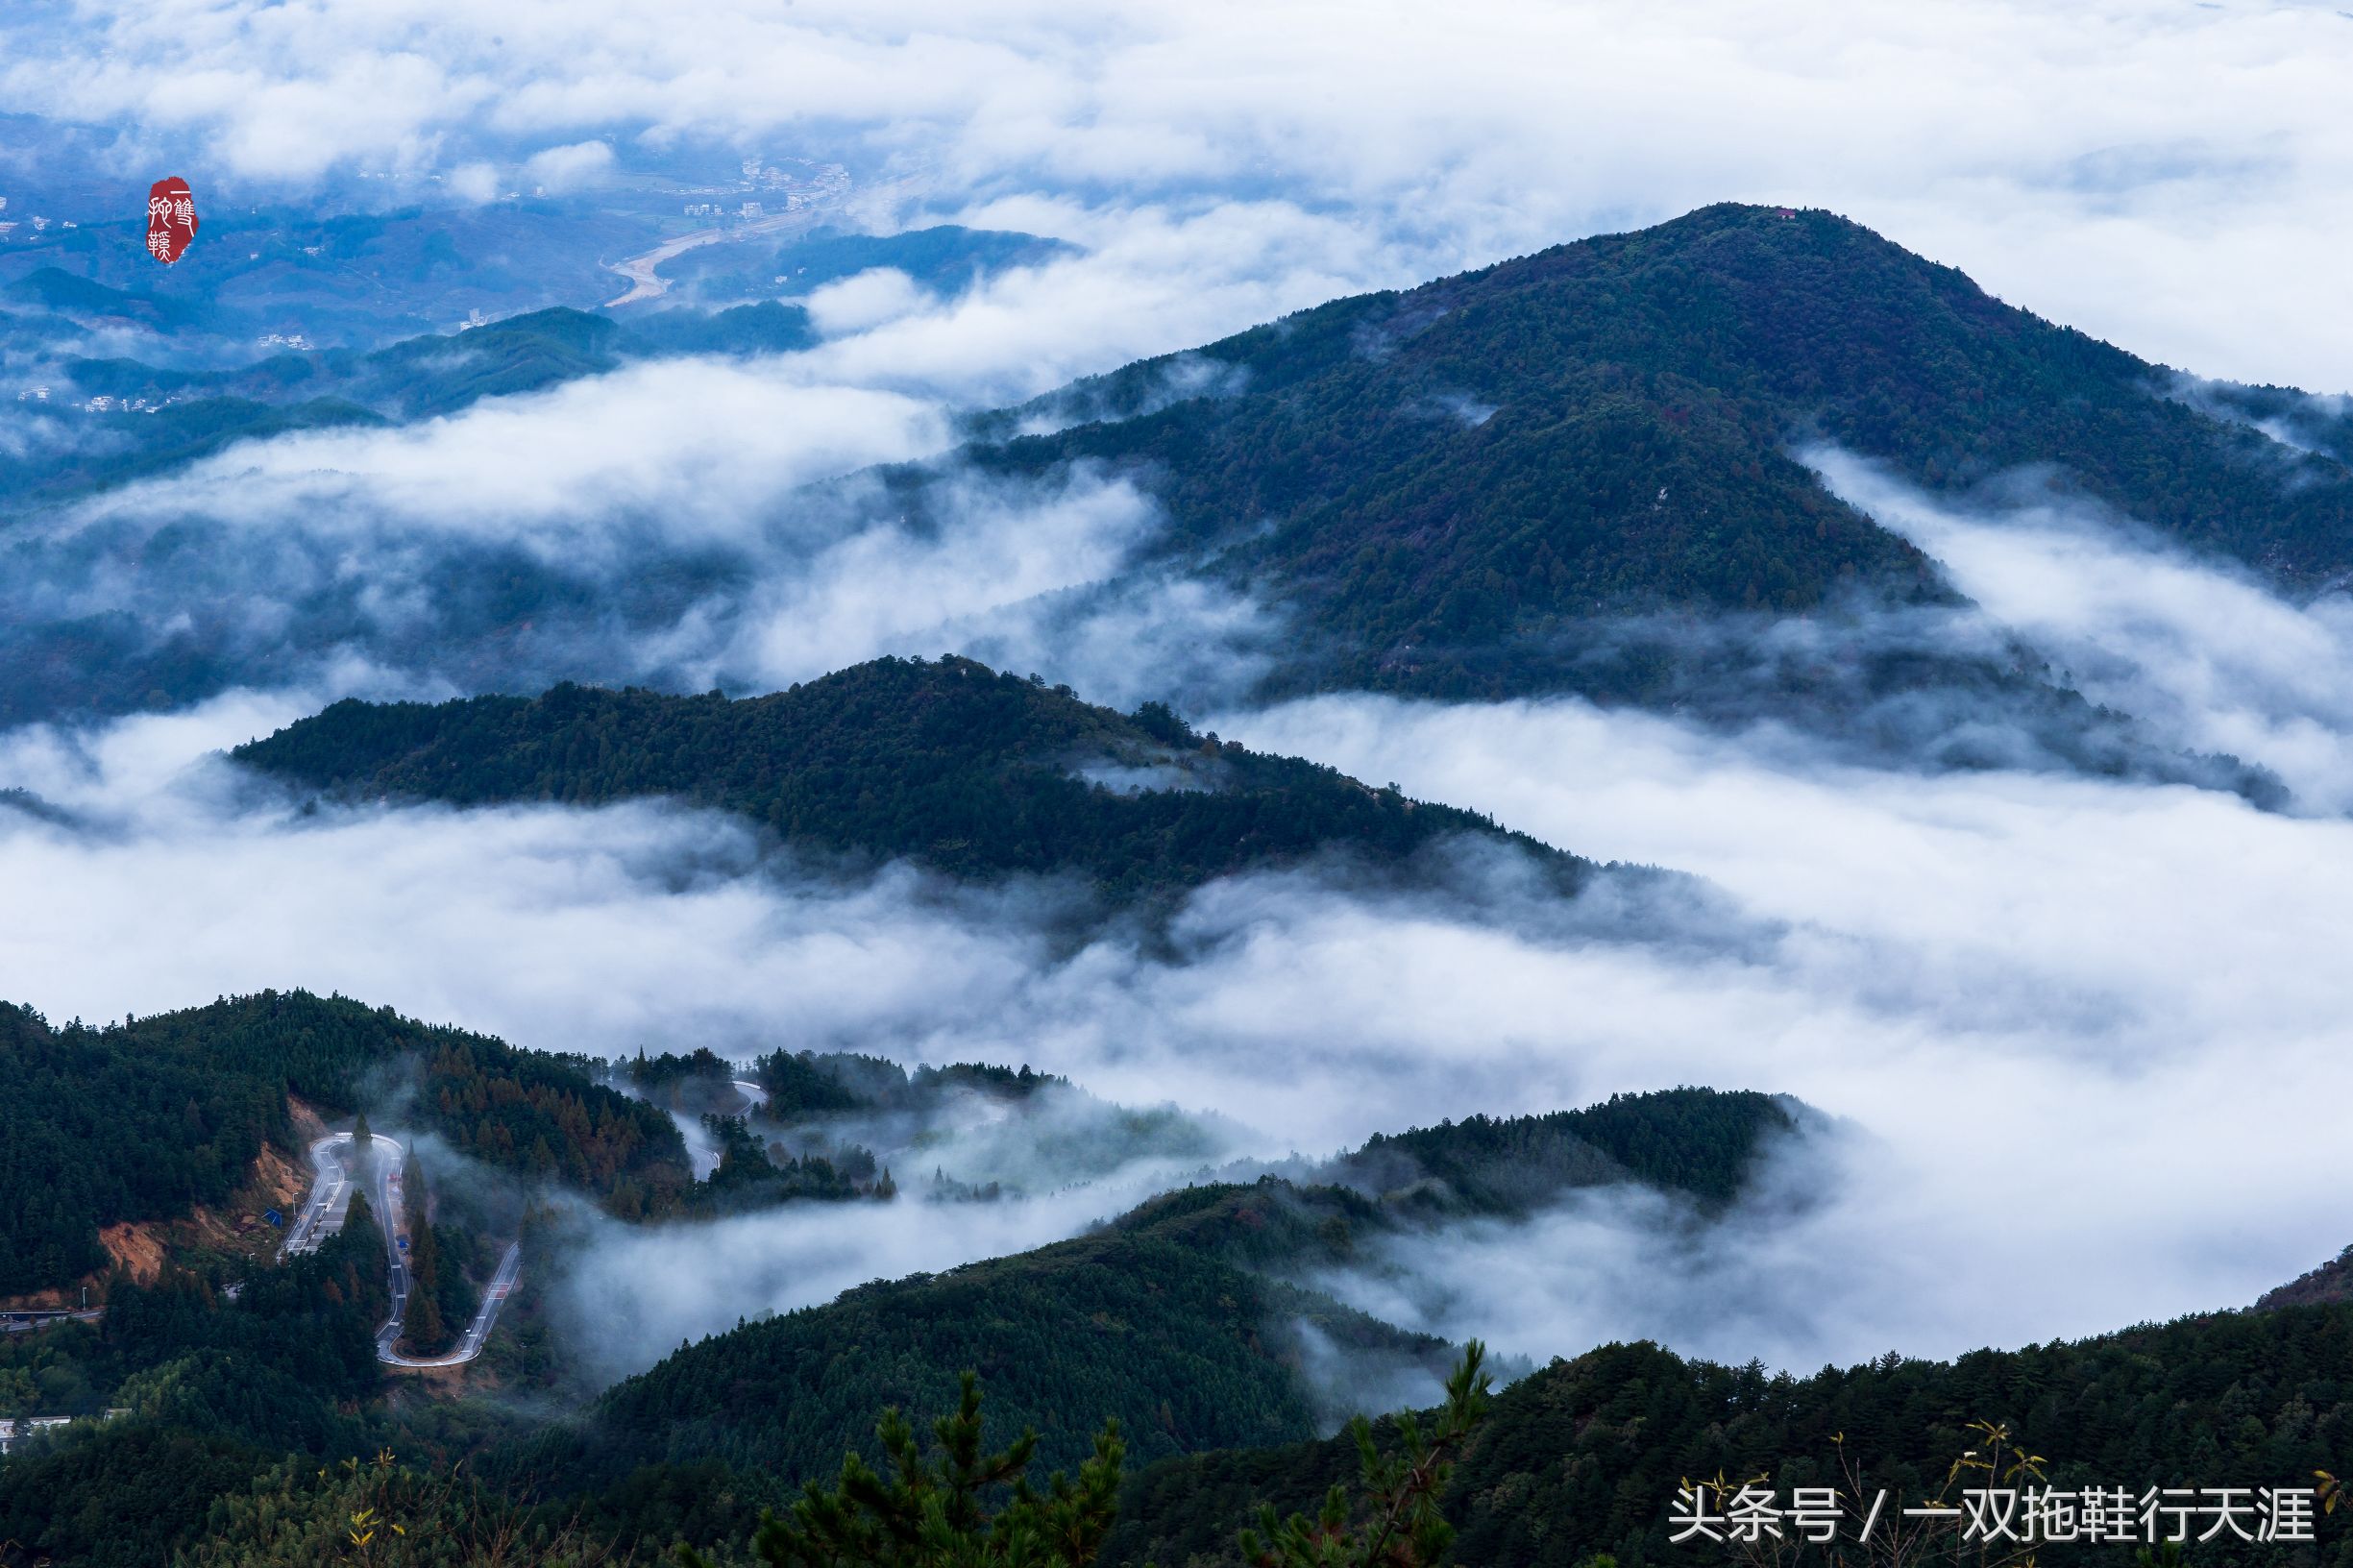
(1578, 472)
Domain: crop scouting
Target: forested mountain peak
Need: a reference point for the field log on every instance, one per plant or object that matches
(976, 772)
(1451, 485)
(1699, 1142)
(1763, 301)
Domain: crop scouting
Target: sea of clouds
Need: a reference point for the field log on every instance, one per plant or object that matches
(2079, 1034)
(2077, 1031)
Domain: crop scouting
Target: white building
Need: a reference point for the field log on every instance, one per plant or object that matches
(34, 1426)
(16, 1430)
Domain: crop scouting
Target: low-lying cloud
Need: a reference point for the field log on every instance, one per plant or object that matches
(610, 530)
(2127, 168)
(684, 522)
(631, 1296)
(2199, 651)
(2078, 1025)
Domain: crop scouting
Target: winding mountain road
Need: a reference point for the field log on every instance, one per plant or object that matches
(329, 1204)
(493, 1298)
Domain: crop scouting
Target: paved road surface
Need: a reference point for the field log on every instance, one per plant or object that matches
(501, 1284)
(331, 1196)
(329, 1205)
(25, 1321)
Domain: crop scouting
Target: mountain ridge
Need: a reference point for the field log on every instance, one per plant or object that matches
(1573, 472)
(1192, 1318)
(976, 772)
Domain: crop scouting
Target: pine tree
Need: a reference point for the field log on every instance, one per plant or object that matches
(925, 1510)
(424, 1331)
(365, 1240)
(421, 1330)
(1396, 1521)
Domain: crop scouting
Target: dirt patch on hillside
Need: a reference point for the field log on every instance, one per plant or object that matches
(203, 1227)
(308, 1125)
(143, 1247)
(279, 1179)
(39, 1301)
(135, 1248)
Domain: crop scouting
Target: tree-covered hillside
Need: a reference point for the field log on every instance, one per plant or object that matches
(1177, 1320)
(1702, 1142)
(1586, 1455)
(1189, 1351)
(1700, 1146)
(1444, 483)
(2332, 1281)
(205, 1389)
(1184, 1317)
(127, 444)
(977, 772)
(140, 1120)
(92, 1133)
